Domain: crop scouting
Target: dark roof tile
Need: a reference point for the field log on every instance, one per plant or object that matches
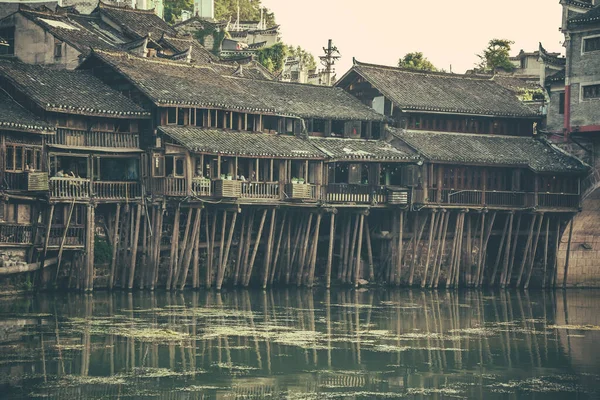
(528, 152)
(15, 117)
(441, 92)
(590, 17)
(137, 22)
(361, 149)
(69, 91)
(223, 142)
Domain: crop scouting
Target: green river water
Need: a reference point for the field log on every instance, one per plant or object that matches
(301, 344)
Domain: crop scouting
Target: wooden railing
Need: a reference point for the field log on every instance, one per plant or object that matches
(26, 181)
(260, 190)
(170, 186)
(16, 233)
(201, 187)
(498, 198)
(83, 138)
(301, 191)
(354, 193)
(75, 235)
(71, 188)
(106, 190)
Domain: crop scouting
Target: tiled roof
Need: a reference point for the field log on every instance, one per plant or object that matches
(69, 91)
(136, 22)
(440, 92)
(81, 32)
(579, 3)
(15, 117)
(178, 45)
(3, 42)
(559, 76)
(218, 141)
(590, 17)
(361, 149)
(170, 83)
(528, 152)
(551, 58)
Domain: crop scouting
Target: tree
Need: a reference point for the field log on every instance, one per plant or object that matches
(273, 57)
(173, 9)
(249, 11)
(496, 55)
(417, 61)
(307, 59)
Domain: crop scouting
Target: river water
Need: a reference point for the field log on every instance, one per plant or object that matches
(301, 344)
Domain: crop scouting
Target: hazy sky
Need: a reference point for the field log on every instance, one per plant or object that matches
(448, 32)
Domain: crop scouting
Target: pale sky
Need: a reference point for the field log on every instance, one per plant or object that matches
(448, 32)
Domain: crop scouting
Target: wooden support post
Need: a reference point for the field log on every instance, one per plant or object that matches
(454, 251)
(183, 247)
(313, 262)
(115, 245)
(483, 257)
(211, 250)
(295, 247)
(499, 254)
(90, 247)
(432, 228)
(134, 245)
(221, 269)
(277, 249)
(439, 250)
(526, 250)
(348, 277)
(50, 215)
(344, 249)
(221, 275)
(400, 248)
(468, 250)
(568, 255)
(247, 247)
(158, 238)
(266, 270)
(459, 248)
(534, 250)
(196, 262)
(359, 250)
(546, 240)
(444, 234)
(258, 236)
(330, 250)
(188, 255)
(62, 243)
(240, 250)
(304, 250)
(174, 246)
(506, 252)
(369, 251)
(554, 277)
(508, 276)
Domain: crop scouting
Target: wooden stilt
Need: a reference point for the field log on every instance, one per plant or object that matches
(144, 260)
(508, 276)
(444, 234)
(158, 237)
(296, 246)
(369, 251)
(278, 247)
(534, 250)
(348, 277)
(221, 275)
(211, 252)
(526, 250)
(266, 270)
(313, 262)
(134, 245)
(400, 248)
(50, 215)
(453, 254)
(62, 243)
(467, 271)
(554, 276)
(247, 247)
(304, 250)
(240, 250)
(221, 267)
(357, 263)
(415, 244)
(484, 246)
(182, 248)
(330, 250)
(499, 254)
(459, 251)
(432, 228)
(345, 248)
(288, 250)
(438, 250)
(546, 240)
(124, 245)
(196, 262)
(506, 252)
(568, 256)
(90, 247)
(115, 245)
(188, 254)
(174, 246)
(253, 258)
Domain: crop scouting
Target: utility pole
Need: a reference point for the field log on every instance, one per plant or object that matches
(328, 61)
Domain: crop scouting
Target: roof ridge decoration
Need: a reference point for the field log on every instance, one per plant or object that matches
(591, 16)
(421, 72)
(579, 3)
(550, 58)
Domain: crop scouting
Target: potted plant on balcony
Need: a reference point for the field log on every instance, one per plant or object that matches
(294, 180)
(301, 180)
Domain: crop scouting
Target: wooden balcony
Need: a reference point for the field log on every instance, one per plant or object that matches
(227, 188)
(75, 236)
(170, 186)
(70, 188)
(496, 198)
(83, 138)
(105, 190)
(260, 190)
(26, 181)
(301, 191)
(16, 234)
(201, 187)
(354, 193)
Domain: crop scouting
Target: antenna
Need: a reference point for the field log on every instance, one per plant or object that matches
(328, 60)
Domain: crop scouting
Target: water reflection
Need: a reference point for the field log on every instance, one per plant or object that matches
(301, 344)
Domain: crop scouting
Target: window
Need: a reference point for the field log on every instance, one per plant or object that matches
(561, 103)
(319, 125)
(8, 34)
(20, 158)
(591, 44)
(58, 48)
(172, 115)
(181, 120)
(591, 92)
(158, 166)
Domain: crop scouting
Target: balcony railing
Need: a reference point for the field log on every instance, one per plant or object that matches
(170, 186)
(301, 191)
(70, 188)
(83, 138)
(495, 198)
(354, 193)
(26, 181)
(16, 234)
(201, 187)
(106, 190)
(75, 235)
(260, 190)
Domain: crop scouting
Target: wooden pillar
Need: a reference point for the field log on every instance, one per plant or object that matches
(89, 283)
(62, 243)
(50, 215)
(190, 247)
(432, 227)
(499, 253)
(330, 250)
(400, 248)
(219, 282)
(115, 245)
(534, 250)
(546, 240)
(258, 236)
(134, 245)
(269, 246)
(313, 261)
(568, 255)
(174, 246)
(526, 250)
(369, 251)
(359, 250)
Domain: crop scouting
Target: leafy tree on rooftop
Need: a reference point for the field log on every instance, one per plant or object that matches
(417, 61)
(495, 56)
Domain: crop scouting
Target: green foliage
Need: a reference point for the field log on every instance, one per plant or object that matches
(210, 30)
(249, 11)
(496, 55)
(307, 59)
(417, 61)
(173, 9)
(102, 250)
(273, 57)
